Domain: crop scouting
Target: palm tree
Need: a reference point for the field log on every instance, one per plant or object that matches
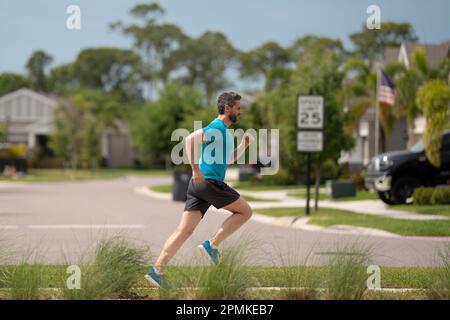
(36, 66)
(408, 82)
(359, 92)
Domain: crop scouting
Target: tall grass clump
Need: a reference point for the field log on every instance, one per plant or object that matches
(24, 278)
(228, 280)
(4, 256)
(441, 286)
(347, 273)
(300, 282)
(111, 271)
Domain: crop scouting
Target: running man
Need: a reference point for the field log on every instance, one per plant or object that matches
(207, 188)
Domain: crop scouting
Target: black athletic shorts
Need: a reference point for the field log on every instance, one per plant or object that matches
(201, 195)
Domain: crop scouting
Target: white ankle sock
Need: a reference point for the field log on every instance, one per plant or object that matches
(212, 246)
(157, 272)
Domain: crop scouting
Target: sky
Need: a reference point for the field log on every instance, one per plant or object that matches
(26, 26)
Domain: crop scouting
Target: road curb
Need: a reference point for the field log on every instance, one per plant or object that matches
(287, 222)
(145, 191)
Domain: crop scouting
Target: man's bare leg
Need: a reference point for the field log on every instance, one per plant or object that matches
(188, 223)
(241, 213)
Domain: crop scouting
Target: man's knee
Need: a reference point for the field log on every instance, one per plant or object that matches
(246, 211)
(249, 213)
(185, 232)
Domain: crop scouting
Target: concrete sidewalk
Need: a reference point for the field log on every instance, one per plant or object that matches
(372, 207)
(10, 185)
(301, 222)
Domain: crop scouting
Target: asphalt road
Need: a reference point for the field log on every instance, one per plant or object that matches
(62, 220)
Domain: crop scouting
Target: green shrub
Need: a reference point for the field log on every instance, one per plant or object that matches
(24, 277)
(441, 195)
(432, 196)
(359, 182)
(298, 282)
(281, 178)
(228, 280)
(422, 196)
(24, 281)
(346, 279)
(441, 287)
(112, 270)
(328, 170)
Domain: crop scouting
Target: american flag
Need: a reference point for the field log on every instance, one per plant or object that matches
(386, 92)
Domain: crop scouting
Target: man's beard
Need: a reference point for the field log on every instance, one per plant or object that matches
(233, 118)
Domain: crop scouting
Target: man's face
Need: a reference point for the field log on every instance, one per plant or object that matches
(235, 112)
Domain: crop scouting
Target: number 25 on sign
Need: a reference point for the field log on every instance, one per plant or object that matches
(310, 112)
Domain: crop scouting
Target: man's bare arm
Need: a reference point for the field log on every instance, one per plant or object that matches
(239, 151)
(193, 140)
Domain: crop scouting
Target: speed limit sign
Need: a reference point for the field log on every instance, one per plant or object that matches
(310, 112)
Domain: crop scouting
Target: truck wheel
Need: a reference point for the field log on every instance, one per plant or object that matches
(386, 197)
(403, 189)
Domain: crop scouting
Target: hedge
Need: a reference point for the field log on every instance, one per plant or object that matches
(430, 196)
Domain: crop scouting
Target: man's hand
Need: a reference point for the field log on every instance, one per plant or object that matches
(248, 139)
(198, 176)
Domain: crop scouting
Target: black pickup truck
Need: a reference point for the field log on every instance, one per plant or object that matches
(395, 175)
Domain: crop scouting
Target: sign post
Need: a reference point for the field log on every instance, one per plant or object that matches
(310, 133)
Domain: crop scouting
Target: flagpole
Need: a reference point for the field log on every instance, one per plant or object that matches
(377, 112)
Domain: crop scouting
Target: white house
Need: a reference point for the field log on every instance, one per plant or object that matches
(28, 117)
(398, 140)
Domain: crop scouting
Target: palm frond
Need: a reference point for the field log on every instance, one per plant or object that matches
(356, 112)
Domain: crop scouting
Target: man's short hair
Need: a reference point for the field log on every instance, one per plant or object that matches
(227, 99)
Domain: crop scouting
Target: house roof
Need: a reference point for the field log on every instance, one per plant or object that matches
(391, 55)
(35, 95)
(435, 53)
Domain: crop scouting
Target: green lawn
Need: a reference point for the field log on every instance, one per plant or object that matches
(168, 188)
(54, 275)
(299, 191)
(302, 195)
(443, 210)
(246, 185)
(162, 188)
(255, 199)
(57, 175)
(360, 195)
(328, 217)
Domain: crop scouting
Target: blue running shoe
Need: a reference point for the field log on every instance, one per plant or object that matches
(212, 253)
(157, 279)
